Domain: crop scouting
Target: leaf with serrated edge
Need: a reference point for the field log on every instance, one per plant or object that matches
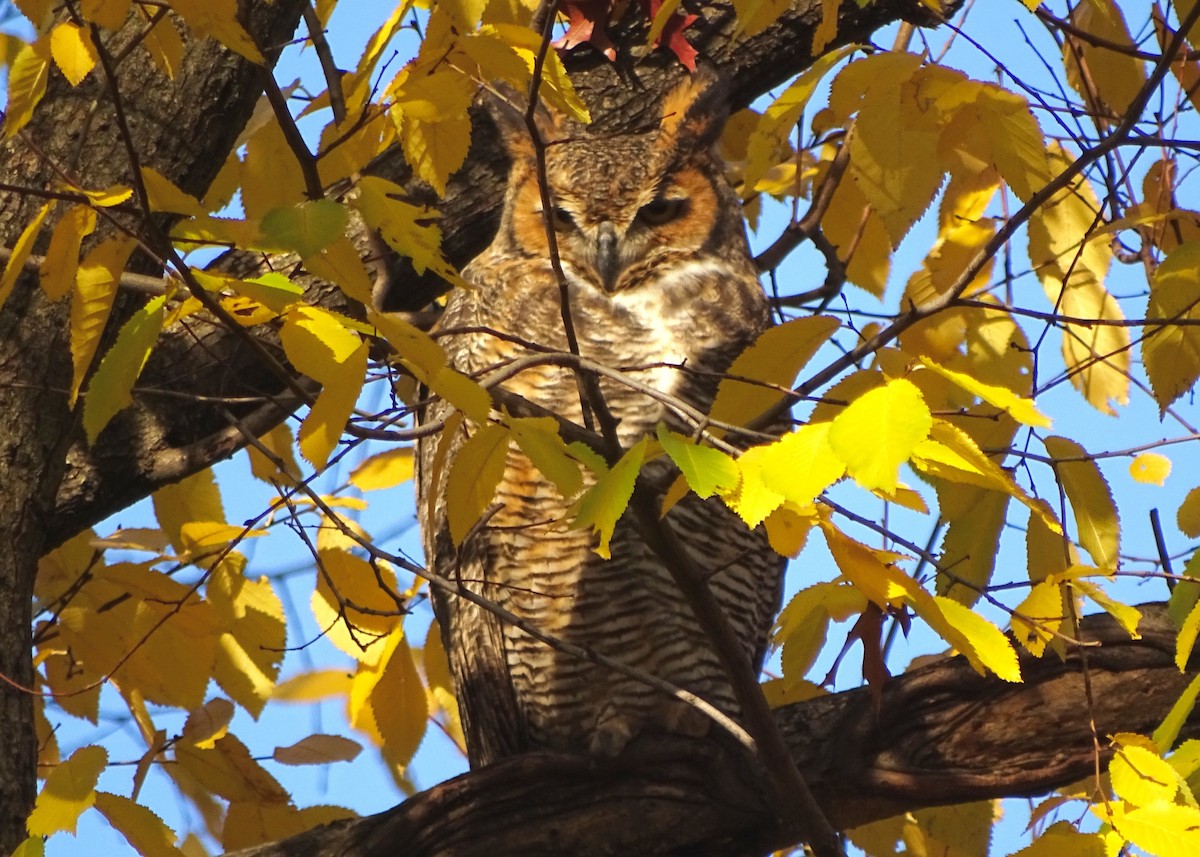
(879, 431)
(603, 504)
(471, 485)
(1096, 518)
(111, 387)
(68, 791)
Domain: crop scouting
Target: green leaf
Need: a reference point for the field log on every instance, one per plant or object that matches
(602, 506)
(307, 228)
(110, 389)
(706, 470)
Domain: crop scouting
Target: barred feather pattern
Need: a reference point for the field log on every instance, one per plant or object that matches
(687, 301)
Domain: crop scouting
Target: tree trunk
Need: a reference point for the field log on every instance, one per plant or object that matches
(184, 128)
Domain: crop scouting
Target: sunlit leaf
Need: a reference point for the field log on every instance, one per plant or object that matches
(1096, 519)
(1150, 468)
(603, 504)
(68, 791)
(879, 431)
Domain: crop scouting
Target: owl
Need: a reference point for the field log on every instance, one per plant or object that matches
(663, 292)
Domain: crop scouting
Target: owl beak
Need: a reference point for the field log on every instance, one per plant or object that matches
(607, 256)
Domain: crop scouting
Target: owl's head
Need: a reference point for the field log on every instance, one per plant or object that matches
(624, 205)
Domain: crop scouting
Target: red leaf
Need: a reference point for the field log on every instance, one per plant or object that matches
(587, 21)
(671, 36)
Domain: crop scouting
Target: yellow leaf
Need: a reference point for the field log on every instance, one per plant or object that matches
(313, 686)
(408, 229)
(778, 122)
(351, 606)
(1142, 777)
(73, 51)
(893, 147)
(1188, 516)
(787, 530)
(109, 14)
(1017, 143)
(144, 830)
(879, 431)
(1181, 711)
(471, 485)
(218, 18)
(706, 470)
(801, 464)
(165, 196)
(339, 263)
(1096, 518)
(774, 360)
(21, 251)
(869, 570)
(1163, 829)
(604, 503)
(1036, 619)
(1072, 270)
(1021, 410)
(416, 347)
(96, 283)
(436, 149)
(804, 622)
(26, 84)
(539, 439)
(1128, 617)
(1186, 639)
(229, 771)
(1063, 839)
(975, 520)
(62, 256)
(209, 723)
(111, 387)
(270, 176)
(34, 846)
(318, 750)
(196, 498)
(253, 635)
(1170, 350)
(462, 392)
(1111, 76)
(388, 701)
(385, 469)
(165, 46)
(983, 644)
(1150, 468)
(68, 791)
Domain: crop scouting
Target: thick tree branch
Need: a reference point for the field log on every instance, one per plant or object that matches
(942, 734)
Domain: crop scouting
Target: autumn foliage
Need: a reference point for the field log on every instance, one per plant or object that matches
(923, 381)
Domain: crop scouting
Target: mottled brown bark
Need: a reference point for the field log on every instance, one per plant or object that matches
(183, 128)
(942, 734)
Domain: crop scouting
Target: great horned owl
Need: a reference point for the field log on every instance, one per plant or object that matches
(662, 288)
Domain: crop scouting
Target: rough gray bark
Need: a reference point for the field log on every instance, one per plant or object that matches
(163, 440)
(942, 734)
(183, 128)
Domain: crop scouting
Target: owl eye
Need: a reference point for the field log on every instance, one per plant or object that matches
(662, 210)
(562, 220)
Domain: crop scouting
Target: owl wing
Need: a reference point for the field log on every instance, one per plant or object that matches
(473, 636)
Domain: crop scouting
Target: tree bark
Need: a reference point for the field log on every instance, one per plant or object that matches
(164, 439)
(183, 128)
(942, 734)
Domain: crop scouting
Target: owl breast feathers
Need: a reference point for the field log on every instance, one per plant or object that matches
(663, 293)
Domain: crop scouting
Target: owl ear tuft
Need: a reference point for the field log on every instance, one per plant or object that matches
(694, 112)
(507, 108)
